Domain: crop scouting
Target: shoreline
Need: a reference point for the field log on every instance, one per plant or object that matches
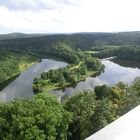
(14, 76)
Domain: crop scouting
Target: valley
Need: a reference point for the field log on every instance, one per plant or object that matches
(64, 84)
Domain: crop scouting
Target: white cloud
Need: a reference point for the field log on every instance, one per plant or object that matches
(68, 15)
(35, 4)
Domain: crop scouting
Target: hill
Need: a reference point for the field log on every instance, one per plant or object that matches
(16, 35)
(83, 41)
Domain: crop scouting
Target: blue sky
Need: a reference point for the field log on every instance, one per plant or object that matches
(62, 16)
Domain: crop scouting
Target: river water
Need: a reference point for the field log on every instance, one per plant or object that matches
(114, 72)
(21, 87)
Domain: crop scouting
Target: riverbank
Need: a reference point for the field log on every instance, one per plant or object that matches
(8, 81)
(68, 76)
(126, 63)
(113, 74)
(25, 66)
(22, 67)
(21, 87)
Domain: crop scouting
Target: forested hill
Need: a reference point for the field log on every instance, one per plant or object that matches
(28, 48)
(83, 41)
(43, 116)
(17, 35)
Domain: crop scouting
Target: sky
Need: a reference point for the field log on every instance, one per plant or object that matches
(67, 16)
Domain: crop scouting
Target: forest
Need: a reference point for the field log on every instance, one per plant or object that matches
(15, 60)
(63, 47)
(126, 53)
(11, 64)
(43, 116)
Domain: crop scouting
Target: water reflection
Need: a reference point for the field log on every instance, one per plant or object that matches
(113, 74)
(127, 63)
(21, 87)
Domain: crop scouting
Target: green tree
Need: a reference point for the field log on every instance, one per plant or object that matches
(82, 106)
(105, 113)
(73, 79)
(102, 91)
(41, 117)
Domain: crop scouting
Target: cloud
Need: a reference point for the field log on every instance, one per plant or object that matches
(36, 4)
(3, 29)
(56, 16)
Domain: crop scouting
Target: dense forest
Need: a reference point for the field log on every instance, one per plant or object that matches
(126, 53)
(75, 118)
(16, 46)
(83, 41)
(129, 53)
(11, 64)
(13, 60)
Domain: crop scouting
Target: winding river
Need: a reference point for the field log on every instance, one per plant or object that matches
(119, 70)
(21, 87)
(114, 72)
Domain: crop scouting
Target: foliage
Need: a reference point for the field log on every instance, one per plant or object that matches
(14, 60)
(93, 64)
(129, 53)
(105, 113)
(83, 41)
(69, 75)
(102, 91)
(41, 117)
(84, 113)
(63, 51)
(94, 110)
(12, 64)
(83, 107)
(63, 47)
(125, 53)
(104, 53)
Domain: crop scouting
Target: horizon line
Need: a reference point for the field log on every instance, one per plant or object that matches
(53, 33)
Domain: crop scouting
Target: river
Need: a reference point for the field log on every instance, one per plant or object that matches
(114, 72)
(21, 87)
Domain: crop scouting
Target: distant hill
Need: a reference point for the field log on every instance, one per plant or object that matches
(83, 41)
(17, 35)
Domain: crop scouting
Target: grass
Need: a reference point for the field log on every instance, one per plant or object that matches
(22, 68)
(51, 86)
(26, 62)
(111, 46)
(76, 66)
(90, 52)
(24, 65)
